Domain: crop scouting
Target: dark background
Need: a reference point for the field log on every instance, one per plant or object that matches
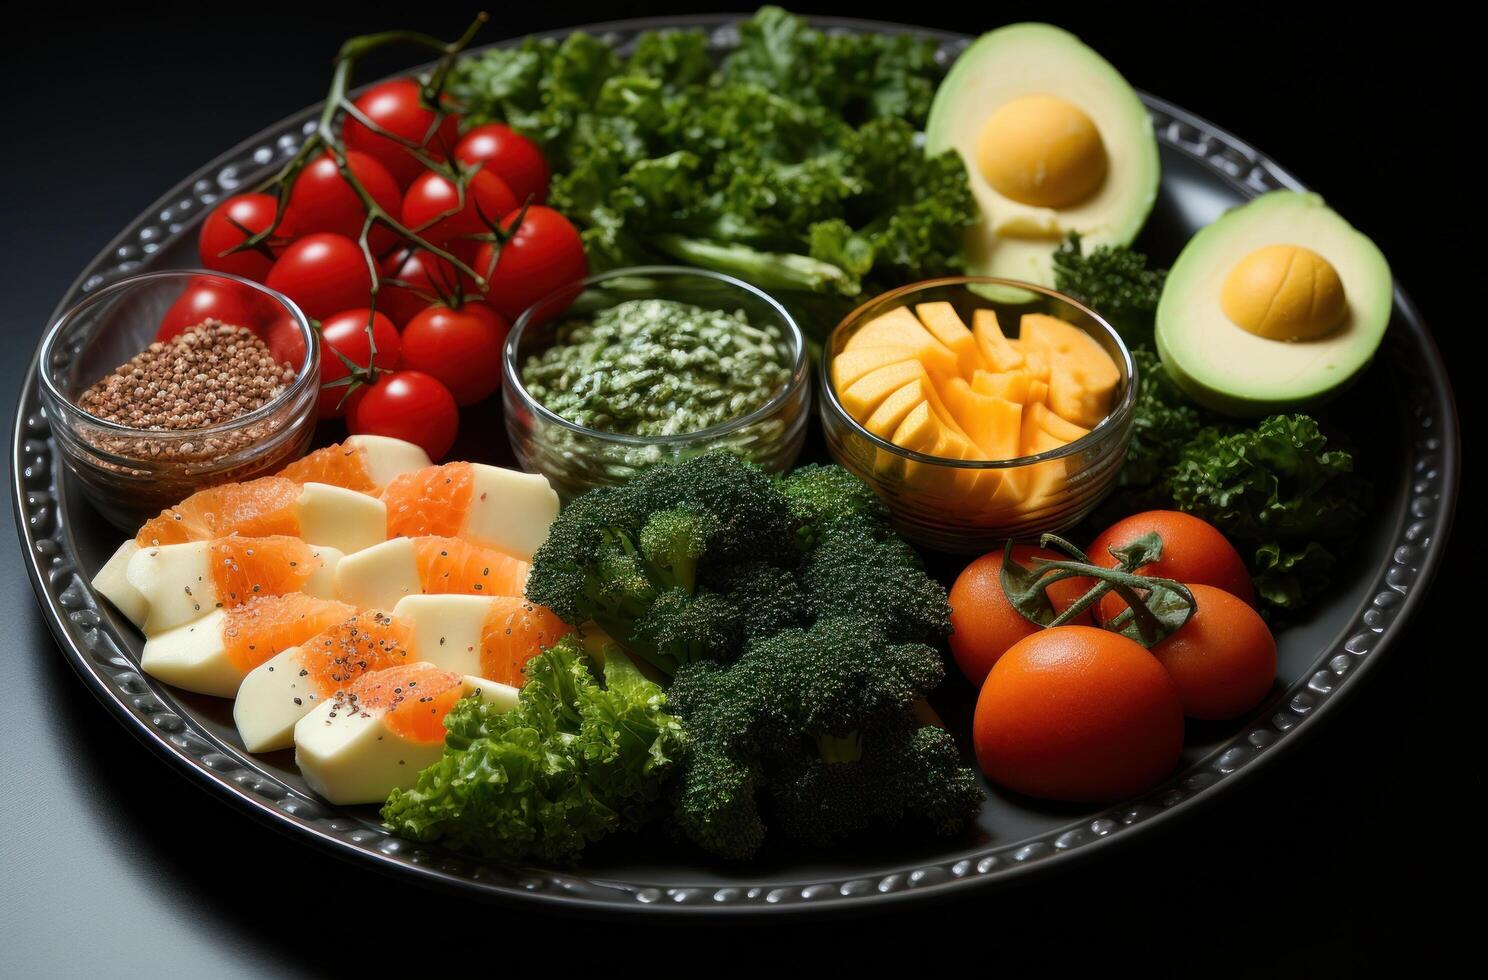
(1359, 843)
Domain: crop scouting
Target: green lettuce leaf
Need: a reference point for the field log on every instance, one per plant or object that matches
(576, 760)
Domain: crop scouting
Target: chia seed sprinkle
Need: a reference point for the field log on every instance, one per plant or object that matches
(211, 374)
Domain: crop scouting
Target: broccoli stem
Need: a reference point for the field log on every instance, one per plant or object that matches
(845, 748)
(768, 270)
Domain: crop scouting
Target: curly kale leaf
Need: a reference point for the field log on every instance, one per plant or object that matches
(792, 165)
(576, 760)
(1279, 493)
(1114, 281)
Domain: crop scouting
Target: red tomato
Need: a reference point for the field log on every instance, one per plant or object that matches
(397, 107)
(224, 229)
(543, 254)
(285, 342)
(486, 201)
(460, 348)
(412, 280)
(407, 405)
(322, 200)
(324, 274)
(512, 157)
(346, 333)
(211, 298)
(1223, 659)
(1078, 714)
(984, 624)
(1193, 553)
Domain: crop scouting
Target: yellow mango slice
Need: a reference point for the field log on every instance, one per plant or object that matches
(1055, 425)
(922, 431)
(1082, 377)
(899, 328)
(1038, 392)
(1008, 385)
(885, 420)
(940, 319)
(863, 396)
(1036, 364)
(851, 365)
(992, 423)
(995, 348)
(1046, 479)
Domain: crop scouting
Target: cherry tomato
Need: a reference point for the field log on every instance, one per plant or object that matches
(1223, 659)
(461, 348)
(223, 229)
(512, 157)
(984, 623)
(285, 342)
(397, 107)
(407, 405)
(346, 333)
(322, 200)
(412, 280)
(211, 298)
(1193, 552)
(1078, 714)
(544, 254)
(486, 201)
(323, 273)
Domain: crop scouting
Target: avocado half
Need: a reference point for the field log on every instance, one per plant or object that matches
(1015, 240)
(1232, 371)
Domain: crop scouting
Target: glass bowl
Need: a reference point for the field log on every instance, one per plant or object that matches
(574, 457)
(132, 474)
(965, 506)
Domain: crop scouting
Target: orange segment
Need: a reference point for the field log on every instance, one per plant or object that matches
(368, 641)
(449, 566)
(514, 632)
(338, 465)
(258, 508)
(434, 500)
(262, 628)
(245, 568)
(413, 699)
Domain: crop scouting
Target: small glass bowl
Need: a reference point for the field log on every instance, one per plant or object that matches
(958, 505)
(131, 474)
(574, 457)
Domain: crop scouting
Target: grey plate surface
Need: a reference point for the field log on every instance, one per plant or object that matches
(1412, 458)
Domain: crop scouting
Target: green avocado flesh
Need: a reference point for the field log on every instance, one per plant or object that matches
(1233, 371)
(1016, 240)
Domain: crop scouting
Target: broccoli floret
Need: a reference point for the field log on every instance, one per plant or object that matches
(630, 558)
(768, 598)
(861, 570)
(823, 496)
(898, 775)
(815, 726)
(749, 518)
(672, 541)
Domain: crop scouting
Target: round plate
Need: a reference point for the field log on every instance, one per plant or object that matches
(1411, 456)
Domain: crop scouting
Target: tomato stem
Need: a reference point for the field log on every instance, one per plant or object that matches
(1155, 606)
(327, 137)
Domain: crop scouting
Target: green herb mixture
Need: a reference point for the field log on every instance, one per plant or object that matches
(793, 163)
(654, 367)
(1275, 488)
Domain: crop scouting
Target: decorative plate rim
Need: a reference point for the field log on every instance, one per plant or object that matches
(94, 649)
